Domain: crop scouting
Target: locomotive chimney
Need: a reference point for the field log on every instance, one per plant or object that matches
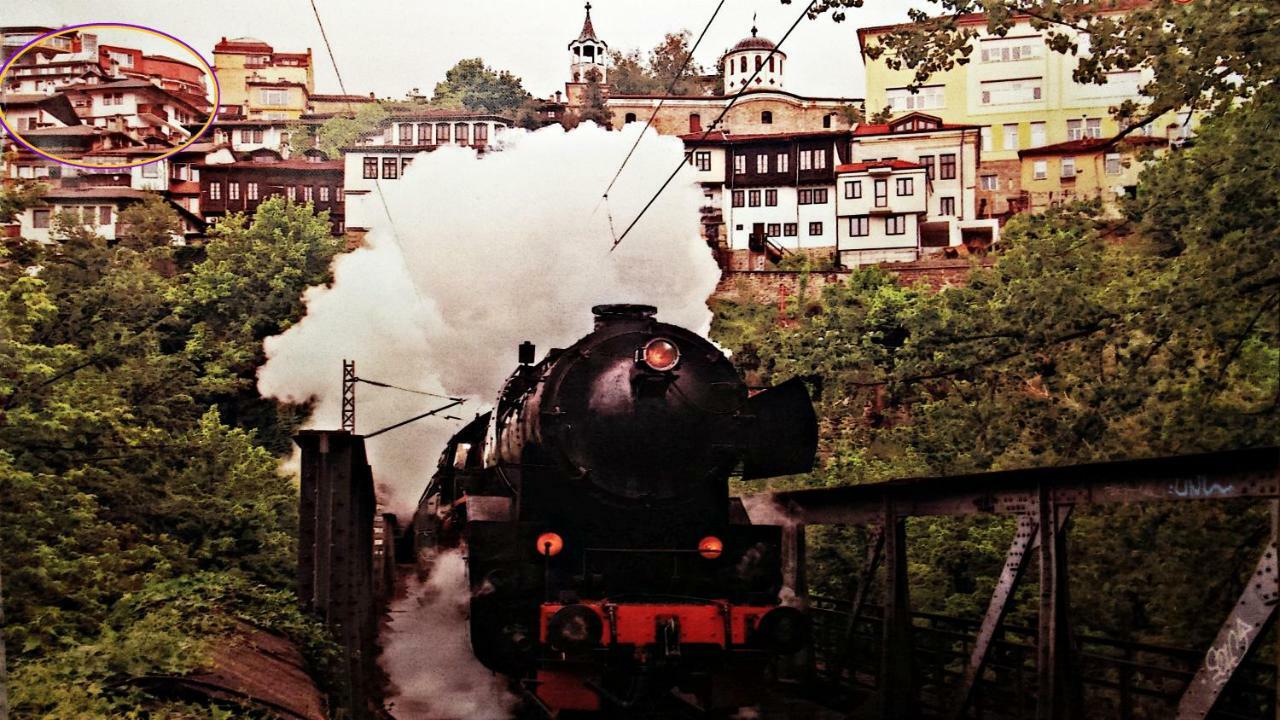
(612, 314)
(526, 353)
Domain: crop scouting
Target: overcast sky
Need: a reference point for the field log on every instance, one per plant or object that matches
(390, 47)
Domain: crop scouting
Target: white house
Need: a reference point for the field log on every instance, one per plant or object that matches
(950, 155)
(768, 193)
(880, 207)
(382, 156)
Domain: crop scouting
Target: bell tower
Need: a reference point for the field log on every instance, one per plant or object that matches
(588, 53)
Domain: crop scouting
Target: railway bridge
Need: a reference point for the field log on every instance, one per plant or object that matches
(873, 656)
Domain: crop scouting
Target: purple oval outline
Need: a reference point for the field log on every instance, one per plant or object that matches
(213, 113)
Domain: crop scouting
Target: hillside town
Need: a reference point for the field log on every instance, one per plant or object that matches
(940, 376)
(906, 173)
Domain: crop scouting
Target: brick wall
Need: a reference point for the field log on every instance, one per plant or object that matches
(769, 286)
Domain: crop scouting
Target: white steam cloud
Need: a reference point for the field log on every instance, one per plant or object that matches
(427, 653)
(479, 254)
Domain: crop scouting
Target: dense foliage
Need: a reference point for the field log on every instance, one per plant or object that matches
(1087, 340)
(1202, 54)
(138, 521)
(668, 65)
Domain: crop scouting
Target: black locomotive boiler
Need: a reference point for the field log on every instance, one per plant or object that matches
(608, 563)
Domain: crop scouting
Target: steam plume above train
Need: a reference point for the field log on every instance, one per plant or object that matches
(475, 255)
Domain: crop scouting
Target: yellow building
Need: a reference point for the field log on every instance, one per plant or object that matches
(1017, 90)
(1086, 169)
(259, 83)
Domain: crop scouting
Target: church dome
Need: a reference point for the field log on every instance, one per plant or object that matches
(753, 43)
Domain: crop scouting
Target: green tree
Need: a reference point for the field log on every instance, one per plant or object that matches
(632, 74)
(342, 131)
(138, 524)
(149, 224)
(18, 197)
(1202, 54)
(472, 85)
(1071, 348)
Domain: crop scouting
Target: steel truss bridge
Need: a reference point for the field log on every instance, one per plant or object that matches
(874, 656)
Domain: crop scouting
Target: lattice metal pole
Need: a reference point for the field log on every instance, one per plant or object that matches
(349, 396)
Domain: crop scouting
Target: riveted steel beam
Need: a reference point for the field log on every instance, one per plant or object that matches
(1247, 622)
(897, 691)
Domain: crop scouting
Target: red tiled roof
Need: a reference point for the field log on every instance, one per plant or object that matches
(719, 136)
(883, 129)
(342, 98)
(96, 193)
(242, 45)
(1085, 145)
(863, 166)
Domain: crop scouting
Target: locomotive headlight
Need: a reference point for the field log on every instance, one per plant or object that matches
(710, 547)
(660, 354)
(550, 544)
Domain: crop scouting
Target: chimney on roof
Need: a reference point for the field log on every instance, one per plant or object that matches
(558, 96)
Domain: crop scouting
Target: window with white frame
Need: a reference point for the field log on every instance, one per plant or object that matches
(782, 162)
(739, 164)
(233, 190)
(1068, 168)
(251, 190)
(987, 141)
(989, 182)
(930, 97)
(1010, 136)
(1012, 92)
(1040, 169)
(762, 164)
(273, 97)
(1038, 136)
(1112, 163)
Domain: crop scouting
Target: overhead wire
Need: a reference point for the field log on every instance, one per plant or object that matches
(377, 184)
(375, 383)
(670, 90)
(707, 133)
(415, 418)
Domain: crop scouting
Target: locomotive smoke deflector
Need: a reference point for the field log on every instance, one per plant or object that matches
(782, 438)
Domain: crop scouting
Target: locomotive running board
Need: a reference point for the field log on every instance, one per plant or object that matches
(782, 437)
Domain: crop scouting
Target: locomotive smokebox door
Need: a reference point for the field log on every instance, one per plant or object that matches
(782, 439)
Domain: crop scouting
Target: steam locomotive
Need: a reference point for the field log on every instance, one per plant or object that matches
(608, 563)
